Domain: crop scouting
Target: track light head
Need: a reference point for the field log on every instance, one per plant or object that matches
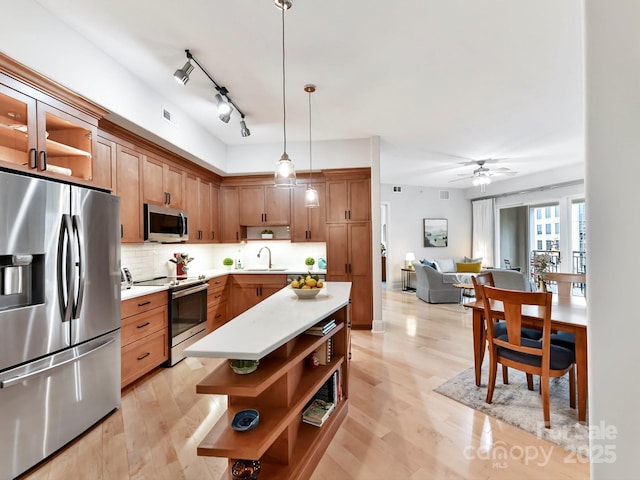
(224, 107)
(244, 131)
(182, 74)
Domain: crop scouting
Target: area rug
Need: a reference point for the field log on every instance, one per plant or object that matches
(516, 405)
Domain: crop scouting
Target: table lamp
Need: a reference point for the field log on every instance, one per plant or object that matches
(409, 259)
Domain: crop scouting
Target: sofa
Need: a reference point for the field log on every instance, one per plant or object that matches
(435, 286)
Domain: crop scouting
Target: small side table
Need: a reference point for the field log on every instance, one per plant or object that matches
(464, 287)
(406, 279)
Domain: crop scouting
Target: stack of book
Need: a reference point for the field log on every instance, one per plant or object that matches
(317, 412)
(325, 352)
(330, 391)
(322, 328)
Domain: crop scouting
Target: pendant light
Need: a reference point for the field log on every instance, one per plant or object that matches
(285, 174)
(311, 194)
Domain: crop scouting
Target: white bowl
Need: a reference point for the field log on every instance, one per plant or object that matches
(304, 294)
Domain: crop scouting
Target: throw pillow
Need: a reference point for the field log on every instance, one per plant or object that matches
(424, 261)
(472, 260)
(446, 265)
(469, 267)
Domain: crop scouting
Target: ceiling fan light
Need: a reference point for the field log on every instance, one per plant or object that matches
(182, 74)
(285, 173)
(311, 199)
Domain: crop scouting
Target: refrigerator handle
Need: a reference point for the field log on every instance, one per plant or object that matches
(21, 378)
(79, 241)
(66, 274)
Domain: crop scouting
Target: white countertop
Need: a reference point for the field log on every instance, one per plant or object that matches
(138, 291)
(270, 324)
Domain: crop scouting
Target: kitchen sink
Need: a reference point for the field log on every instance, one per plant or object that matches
(266, 269)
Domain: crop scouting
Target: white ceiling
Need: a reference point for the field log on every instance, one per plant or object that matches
(438, 81)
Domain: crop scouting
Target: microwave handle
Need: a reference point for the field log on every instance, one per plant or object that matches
(183, 225)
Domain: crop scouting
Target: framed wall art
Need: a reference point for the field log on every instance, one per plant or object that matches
(436, 232)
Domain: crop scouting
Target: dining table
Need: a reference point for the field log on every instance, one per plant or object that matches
(568, 314)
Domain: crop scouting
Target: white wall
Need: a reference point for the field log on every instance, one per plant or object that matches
(407, 210)
(613, 169)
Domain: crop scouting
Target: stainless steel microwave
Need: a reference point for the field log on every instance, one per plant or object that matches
(165, 225)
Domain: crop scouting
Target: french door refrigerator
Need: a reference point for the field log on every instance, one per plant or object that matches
(59, 315)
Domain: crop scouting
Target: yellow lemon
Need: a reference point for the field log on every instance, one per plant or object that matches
(295, 284)
(311, 282)
(319, 284)
(306, 287)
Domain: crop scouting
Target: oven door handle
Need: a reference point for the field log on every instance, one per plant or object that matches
(189, 291)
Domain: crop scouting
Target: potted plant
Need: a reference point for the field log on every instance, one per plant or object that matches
(228, 262)
(309, 262)
(266, 233)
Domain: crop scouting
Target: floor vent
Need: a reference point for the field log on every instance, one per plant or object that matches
(397, 189)
(444, 194)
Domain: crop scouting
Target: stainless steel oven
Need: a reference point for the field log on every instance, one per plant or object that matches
(187, 311)
(188, 318)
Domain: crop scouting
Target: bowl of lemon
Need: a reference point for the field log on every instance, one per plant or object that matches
(307, 286)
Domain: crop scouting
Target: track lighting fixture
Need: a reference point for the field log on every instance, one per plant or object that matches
(182, 74)
(244, 131)
(285, 174)
(283, 4)
(224, 102)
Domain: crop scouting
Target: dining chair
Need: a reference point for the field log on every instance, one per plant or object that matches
(500, 328)
(512, 349)
(565, 282)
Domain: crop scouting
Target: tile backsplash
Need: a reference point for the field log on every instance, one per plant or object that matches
(151, 260)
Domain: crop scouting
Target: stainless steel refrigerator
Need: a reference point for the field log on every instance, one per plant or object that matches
(59, 315)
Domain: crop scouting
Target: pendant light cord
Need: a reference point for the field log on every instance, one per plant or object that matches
(284, 101)
(310, 161)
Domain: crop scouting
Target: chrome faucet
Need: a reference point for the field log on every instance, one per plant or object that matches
(269, 255)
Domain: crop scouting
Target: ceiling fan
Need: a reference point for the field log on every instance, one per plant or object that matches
(482, 175)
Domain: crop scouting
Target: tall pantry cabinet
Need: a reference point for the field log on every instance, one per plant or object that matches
(349, 237)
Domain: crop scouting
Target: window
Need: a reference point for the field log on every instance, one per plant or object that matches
(549, 245)
(547, 212)
(538, 214)
(548, 229)
(539, 229)
(557, 228)
(539, 244)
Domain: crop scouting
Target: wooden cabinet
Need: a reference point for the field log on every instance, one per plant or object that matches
(217, 302)
(308, 224)
(280, 389)
(204, 211)
(145, 335)
(348, 200)
(163, 183)
(128, 181)
(231, 232)
(44, 136)
(248, 289)
(264, 205)
(349, 260)
(214, 213)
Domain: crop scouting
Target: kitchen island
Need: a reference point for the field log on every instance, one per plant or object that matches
(273, 332)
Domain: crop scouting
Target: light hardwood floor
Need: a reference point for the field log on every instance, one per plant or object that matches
(397, 426)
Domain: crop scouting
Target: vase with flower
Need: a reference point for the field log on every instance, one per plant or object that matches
(541, 266)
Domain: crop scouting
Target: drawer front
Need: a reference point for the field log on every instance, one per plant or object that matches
(144, 355)
(141, 325)
(269, 279)
(217, 283)
(216, 297)
(217, 316)
(137, 305)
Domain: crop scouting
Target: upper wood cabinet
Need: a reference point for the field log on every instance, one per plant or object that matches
(41, 135)
(348, 200)
(214, 213)
(198, 207)
(128, 181)
(231, 232)
(163, 183)
(308, 224)
(204, 197)
(264, 205)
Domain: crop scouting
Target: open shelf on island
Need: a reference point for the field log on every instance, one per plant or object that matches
(223, 441)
